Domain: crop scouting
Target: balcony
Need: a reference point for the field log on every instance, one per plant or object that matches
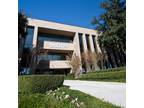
(62, 64)
(58, 46)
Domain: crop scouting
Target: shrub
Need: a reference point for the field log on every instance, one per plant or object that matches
(39, 83)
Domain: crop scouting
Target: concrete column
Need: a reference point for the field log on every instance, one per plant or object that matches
(77, 47)
(84, 42)
(85, 50)
(95, 67)
(97, 45)
(98, 49)
(91, 43)
(35, 35)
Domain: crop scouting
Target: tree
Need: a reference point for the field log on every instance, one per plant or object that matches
(75, 64)
(36, 53)
(22, 32)
(111, 26)
(26, 56)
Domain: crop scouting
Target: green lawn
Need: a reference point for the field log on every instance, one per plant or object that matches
(57, 99)
(111, 75)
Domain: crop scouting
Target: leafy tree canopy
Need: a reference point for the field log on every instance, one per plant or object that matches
(111, 25)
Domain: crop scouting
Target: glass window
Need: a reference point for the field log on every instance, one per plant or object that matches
(56, 38)
(53, 56)
(87, 41)
(94, 42)
(29, 37)
(81, 42)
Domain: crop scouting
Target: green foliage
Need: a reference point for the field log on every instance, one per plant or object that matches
(108, 76)
(111, 26)
(38, 83)
(89, 101)
(50, 101)
(112, 75)
(22, 24)
(42, 101)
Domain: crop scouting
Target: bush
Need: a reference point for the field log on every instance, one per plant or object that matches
(39, 83)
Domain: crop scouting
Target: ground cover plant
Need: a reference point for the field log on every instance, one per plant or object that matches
(62, 97)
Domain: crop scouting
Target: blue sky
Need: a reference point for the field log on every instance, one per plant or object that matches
(73, 12)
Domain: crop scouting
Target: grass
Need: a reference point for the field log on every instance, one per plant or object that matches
(51, 100)
(111, 75)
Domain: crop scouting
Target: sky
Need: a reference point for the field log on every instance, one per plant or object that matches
(73, 12)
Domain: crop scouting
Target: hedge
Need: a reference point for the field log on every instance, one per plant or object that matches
(38, 83)
(111, 70)
(119, 76)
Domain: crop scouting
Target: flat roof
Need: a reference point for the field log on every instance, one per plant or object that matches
(60, 26)
(61, 23)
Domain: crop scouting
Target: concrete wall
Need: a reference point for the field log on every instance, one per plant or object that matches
(54, 27)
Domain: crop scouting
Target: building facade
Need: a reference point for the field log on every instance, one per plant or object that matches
(60, 40)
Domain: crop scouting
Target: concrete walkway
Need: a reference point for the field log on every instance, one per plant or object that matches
(112, 92)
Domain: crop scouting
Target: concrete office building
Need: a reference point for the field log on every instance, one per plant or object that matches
(60, 39)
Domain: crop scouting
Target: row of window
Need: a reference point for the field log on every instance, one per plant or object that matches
(56, 38)
(45, 37)
(53, 56)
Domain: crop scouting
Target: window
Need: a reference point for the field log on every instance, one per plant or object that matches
(87, 41)
(81, 42)
(53, 56)
(29, 37)
(56, 38)
(94, 42)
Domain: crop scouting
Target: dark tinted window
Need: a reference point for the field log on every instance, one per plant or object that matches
(81, 42)
(29, 37)
(94, 42)
(53, 56)
(56, 38)
(88, 42)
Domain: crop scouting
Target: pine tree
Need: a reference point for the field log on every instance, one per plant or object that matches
(111, 26)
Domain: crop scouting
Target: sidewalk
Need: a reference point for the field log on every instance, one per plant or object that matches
(112, 92)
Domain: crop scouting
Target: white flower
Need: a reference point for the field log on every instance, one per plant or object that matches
(66, 96)
(58, 89)
(48, 92)
(63, 93)
(76, 99)
(53, 94)
(73, 101)
(77, 105)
